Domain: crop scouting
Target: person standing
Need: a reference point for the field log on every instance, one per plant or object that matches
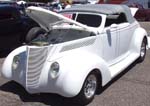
(66, 3)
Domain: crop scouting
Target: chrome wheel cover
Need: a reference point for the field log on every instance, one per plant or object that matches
(143, 50)
(90, 86)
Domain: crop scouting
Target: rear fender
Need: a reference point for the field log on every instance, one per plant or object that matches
(137, 39)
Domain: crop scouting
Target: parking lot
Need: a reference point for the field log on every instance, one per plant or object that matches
(130, 88)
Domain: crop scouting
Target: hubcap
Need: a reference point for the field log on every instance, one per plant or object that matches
(90, 86)
(143, 49)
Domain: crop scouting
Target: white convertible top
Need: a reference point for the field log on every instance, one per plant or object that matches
(107, 9)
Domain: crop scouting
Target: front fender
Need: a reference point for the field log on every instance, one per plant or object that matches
(75, 68)
(7, 65)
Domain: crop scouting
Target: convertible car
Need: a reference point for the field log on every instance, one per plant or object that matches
(78, 51)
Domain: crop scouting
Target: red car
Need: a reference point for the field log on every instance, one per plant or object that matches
(142, 14)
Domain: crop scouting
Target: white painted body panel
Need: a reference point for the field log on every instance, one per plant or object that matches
(111, 51)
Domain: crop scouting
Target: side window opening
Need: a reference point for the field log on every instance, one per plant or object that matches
(89, 20)
(115, 19)
(5, 16)
(9, 14)
(122, 18)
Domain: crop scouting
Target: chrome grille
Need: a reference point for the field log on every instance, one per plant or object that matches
(36, 60)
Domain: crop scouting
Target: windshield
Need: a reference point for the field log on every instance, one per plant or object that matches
(91, 20)
(59, 36)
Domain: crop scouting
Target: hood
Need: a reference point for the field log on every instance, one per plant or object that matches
(46, 18)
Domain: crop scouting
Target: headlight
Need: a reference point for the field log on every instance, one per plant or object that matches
(15, 63)
(54, 70)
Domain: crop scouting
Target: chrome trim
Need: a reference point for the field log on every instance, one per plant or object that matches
(35, 60)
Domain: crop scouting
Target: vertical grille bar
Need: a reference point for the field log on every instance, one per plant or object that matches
(36, 60)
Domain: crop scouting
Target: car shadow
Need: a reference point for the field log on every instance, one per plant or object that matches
(46, 98)
(51, 99)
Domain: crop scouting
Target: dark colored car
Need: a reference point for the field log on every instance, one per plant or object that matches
(14, 25)
(143, 13)
(37, 4)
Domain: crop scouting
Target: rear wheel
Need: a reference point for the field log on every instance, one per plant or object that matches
(33, 33)
(88, 90)
(142, 51)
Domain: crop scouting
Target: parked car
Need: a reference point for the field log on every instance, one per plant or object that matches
(9, 2)
(14, 25)
(37, 4)
(74, 57)
(143, 14)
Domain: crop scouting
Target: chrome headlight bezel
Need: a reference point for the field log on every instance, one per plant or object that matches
(15, 63)
(54, 69)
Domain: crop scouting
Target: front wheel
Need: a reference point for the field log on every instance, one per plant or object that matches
(142, 51)
(88, 90)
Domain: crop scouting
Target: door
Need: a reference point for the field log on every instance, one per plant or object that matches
(125, 36)
(110, 44)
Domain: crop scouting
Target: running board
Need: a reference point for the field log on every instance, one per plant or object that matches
(122, 65)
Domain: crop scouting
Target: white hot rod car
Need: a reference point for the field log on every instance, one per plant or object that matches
(78, 51)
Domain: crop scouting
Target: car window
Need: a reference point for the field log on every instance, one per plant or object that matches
(115, 19)
(89, 20)
(5, 16)
(9, 14)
